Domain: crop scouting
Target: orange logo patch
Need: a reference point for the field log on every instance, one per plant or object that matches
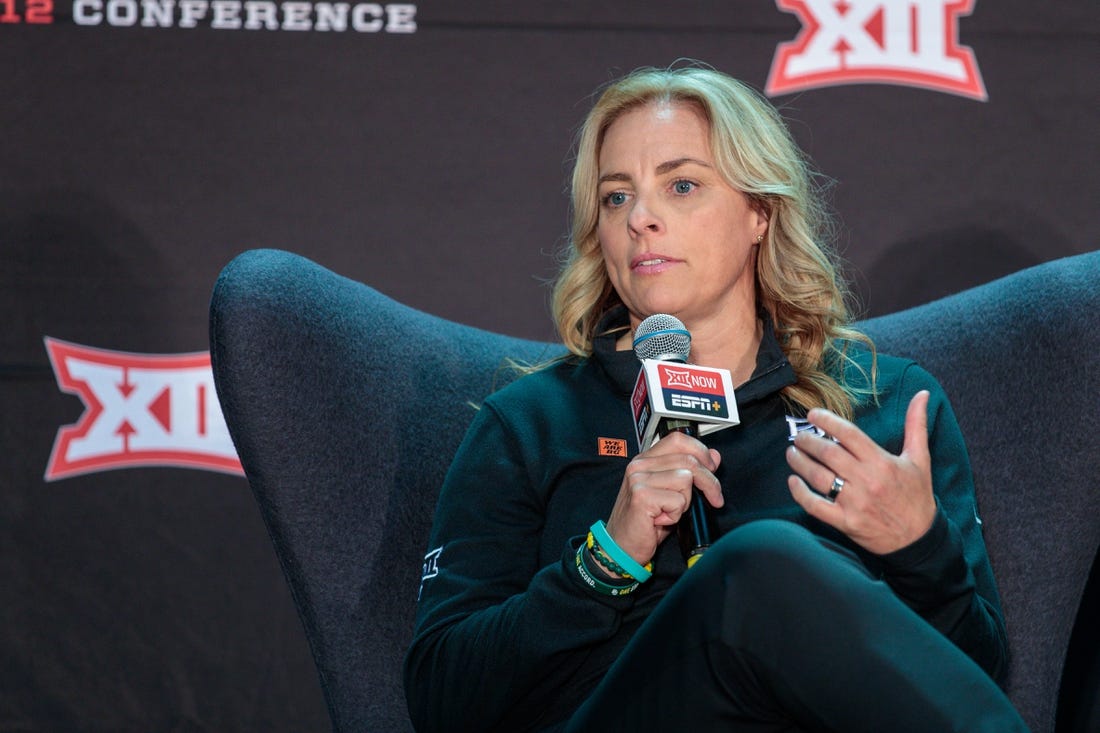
(612, 447)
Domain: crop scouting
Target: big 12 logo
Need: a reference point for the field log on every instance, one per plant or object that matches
(912, 43)
(140, 410)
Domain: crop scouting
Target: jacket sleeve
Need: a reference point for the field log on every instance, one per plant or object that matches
(498, 639)
(945, 576)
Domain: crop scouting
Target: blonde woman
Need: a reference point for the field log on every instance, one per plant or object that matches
(850, 588)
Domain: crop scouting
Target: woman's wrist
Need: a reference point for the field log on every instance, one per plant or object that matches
(612, 557)
(591, 576)
(598, 567)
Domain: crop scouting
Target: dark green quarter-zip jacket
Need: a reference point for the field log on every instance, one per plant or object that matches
(509, 638)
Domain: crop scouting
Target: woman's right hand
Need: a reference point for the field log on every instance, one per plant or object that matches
(656, 490)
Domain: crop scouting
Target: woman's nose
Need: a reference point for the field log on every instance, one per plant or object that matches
(643, 218)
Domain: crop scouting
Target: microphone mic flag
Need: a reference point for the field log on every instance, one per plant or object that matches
(671, 390)
(671, 395)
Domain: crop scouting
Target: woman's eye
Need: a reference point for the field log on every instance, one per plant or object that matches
(683, 187)
(615, 198)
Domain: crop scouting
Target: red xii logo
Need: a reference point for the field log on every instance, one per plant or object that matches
(675, 378)
(877, 41)
(141, 410)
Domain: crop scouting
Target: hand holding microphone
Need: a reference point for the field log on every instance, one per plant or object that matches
(657, 491)
(672, 481)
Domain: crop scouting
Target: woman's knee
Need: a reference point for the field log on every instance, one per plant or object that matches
(774, 554)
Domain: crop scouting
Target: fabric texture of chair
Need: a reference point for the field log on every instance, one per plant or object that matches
(345, 408)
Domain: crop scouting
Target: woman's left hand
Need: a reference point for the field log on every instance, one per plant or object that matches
(885, 502)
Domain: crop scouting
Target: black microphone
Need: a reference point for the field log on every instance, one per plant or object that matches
(663, 338)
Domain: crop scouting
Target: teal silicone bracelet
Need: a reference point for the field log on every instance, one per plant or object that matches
(629, 564)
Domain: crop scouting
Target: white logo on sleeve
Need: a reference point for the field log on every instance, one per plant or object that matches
(431, 568)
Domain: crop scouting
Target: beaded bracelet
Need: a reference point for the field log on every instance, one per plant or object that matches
(604, 559)
(627, 566)
(595, 583)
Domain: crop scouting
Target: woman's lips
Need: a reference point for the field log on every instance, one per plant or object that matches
(651, 263)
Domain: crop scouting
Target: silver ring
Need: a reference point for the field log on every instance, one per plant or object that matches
(835, 489)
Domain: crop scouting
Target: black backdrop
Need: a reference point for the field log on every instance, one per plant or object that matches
(425, 153)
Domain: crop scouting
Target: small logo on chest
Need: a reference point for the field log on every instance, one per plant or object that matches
(796, 425)
(615, 447)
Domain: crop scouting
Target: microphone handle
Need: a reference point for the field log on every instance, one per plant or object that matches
(696, 527)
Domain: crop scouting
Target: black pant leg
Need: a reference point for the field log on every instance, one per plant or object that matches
(777, 629)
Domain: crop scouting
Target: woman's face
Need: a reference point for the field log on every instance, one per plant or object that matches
(675, 237)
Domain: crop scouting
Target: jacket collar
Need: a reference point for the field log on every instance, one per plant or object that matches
(772, 373)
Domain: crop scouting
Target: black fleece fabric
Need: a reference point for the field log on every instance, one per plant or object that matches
(510, 638)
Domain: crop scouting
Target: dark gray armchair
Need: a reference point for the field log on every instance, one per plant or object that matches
(345, 408)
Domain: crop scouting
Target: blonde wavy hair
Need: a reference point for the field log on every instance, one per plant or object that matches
(797, 280)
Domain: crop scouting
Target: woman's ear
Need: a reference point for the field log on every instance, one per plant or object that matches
(762, 210)
(763, 221)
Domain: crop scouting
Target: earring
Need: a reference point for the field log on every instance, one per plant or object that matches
(759, 238)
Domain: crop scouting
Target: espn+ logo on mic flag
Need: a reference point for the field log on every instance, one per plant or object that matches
(678, 391)
(140, 410)
(694, 390)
